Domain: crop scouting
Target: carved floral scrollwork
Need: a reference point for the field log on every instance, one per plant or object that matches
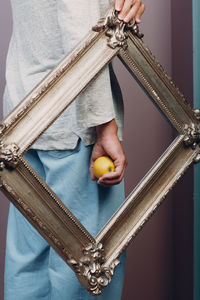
(196, 134)
(116, 29)
(197, 113)
(197, 158)
(91, 266)
(8, 155)
(192, 139)
(192, 135)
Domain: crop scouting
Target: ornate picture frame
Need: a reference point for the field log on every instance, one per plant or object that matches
(95, 259)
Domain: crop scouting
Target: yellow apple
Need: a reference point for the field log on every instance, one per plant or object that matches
(103, 165)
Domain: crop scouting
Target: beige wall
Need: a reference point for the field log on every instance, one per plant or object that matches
(150, 271)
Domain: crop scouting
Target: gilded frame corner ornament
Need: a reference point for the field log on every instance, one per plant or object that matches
(94, 259)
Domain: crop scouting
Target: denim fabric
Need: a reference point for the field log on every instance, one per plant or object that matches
(33, 270)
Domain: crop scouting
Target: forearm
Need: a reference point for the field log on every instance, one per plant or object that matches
(107, 129)
(109, 144)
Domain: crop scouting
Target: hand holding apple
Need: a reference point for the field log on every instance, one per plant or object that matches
(103, 165)
(108, 144)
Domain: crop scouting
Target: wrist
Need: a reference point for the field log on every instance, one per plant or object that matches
(107, 129)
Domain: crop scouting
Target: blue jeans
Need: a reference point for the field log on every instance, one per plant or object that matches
(34, 271)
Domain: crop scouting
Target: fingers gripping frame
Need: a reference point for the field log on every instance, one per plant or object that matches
(94, 259)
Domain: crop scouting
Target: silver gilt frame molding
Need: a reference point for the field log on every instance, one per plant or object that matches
(94, 259)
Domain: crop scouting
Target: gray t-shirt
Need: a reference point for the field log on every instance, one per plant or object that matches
(43, 33)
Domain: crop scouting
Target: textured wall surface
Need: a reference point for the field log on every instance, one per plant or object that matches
(152, 262)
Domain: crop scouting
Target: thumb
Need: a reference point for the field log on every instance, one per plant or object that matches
(96, 152)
